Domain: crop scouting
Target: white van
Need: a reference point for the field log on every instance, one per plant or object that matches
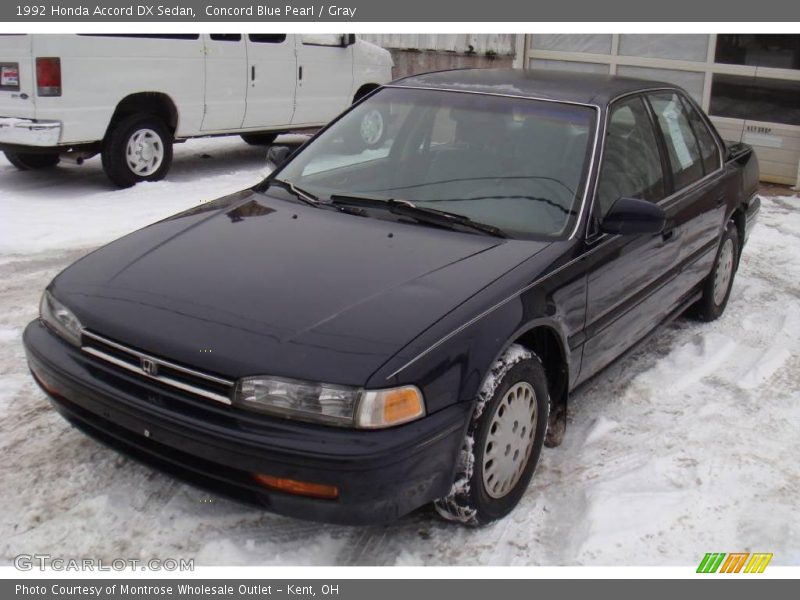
(130, 97)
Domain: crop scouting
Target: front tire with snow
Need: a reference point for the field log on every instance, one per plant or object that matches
(138, 148)
(503, 442)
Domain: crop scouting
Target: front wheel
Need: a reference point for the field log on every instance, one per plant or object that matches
(718, 284)
(31, 162)
(503, 442)
(138, 148)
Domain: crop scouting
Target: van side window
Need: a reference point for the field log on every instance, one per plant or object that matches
(708, 146)
(682, 146)
(323, 39)
(267, 38)
(631, 161)
(226, 37)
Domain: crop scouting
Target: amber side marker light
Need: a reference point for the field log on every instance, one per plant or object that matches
(298, 488)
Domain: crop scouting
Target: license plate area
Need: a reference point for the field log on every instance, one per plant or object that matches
(9, 77)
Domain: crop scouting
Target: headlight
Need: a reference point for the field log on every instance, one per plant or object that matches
(330, 404)
(60, 319)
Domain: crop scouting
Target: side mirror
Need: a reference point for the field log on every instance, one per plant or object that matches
(631, 216)
(348, 39)
(277, 155)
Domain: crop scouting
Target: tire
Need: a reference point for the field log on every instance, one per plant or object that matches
(32, 162)
(155, 140)
(717, 286)
(514, 389)
(259, 139)
(373, 126)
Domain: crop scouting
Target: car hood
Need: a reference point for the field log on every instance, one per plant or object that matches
(260, 284)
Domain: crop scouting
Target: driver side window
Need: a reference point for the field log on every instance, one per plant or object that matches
(631, 162)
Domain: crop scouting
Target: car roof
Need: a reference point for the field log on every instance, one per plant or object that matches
(583, 88)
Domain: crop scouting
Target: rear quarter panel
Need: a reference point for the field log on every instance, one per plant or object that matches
(97, 72)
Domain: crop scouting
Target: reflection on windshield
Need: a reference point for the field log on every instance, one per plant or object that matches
(513, 163)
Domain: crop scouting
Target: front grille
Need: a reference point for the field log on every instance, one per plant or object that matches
(158, 369)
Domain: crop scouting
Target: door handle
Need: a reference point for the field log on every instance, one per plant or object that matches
(668, 234)
(300, 73)
(720, 201)
(252, 72)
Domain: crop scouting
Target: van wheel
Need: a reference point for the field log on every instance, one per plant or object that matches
(30, 162)
(718, 284)
(373, 127)
(138, 148)
(503, 441)
(259, 139)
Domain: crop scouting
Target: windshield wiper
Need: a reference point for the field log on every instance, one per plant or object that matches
(425, 215)
(302, 194)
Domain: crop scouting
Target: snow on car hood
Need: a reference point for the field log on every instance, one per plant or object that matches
(257, 284)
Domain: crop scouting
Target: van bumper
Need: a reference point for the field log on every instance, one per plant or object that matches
(29, 132)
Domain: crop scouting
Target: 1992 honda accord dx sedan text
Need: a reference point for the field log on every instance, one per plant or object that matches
(397, 315)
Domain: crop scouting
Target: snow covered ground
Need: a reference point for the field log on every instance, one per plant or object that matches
(689, 445)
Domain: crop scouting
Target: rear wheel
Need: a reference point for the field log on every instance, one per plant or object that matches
(30, 162)
(503, 441)
(138, 148)
(718, 284)
(259, 139)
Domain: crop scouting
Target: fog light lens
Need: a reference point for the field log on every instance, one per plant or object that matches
(298, 488)
(384, 408)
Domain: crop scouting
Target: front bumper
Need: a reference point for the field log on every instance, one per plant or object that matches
(381, 475)
(29, 132)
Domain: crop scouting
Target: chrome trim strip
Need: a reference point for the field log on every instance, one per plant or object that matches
(135, 354)
(165, 380)
(595, 144)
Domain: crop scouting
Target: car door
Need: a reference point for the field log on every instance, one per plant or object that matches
(272, 79)
(226, 81)
(697, 204)
(626, 273)
(324, 77)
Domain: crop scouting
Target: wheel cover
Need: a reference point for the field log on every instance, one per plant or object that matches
(723, 272)
(510, 439)
(372, 127)
(144, 152)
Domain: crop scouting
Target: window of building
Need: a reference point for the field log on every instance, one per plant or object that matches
(631, 162)
(569, 65)
(755, 99)
(682, 147)
(574, 42)
(672, 46)
(777, 51)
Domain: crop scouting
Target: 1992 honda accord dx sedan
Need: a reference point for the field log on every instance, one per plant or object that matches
(397, 314)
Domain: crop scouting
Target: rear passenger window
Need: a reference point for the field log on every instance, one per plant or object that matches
(267, 38)
(631, 162)
(226, 37)
(682, 147)
(708, 146)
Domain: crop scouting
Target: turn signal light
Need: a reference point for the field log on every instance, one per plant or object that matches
(298, 488)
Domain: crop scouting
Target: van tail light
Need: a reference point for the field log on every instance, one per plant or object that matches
(48, 76)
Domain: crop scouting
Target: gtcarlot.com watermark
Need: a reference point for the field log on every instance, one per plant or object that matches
(43, 562)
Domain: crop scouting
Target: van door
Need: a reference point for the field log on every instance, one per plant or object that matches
(17, 85)
(272, 67)
(324, 77)
(226, 81)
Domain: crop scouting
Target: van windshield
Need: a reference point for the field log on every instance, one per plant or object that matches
(513, 163)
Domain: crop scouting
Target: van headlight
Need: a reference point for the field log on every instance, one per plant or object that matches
(60, 319)
(330, 404)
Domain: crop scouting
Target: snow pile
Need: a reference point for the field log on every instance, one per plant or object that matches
(687, 446)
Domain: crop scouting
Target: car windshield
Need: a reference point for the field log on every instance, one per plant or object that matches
(516, 164)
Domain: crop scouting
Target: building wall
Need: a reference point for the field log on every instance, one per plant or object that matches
(419, 53)
(750, 85)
